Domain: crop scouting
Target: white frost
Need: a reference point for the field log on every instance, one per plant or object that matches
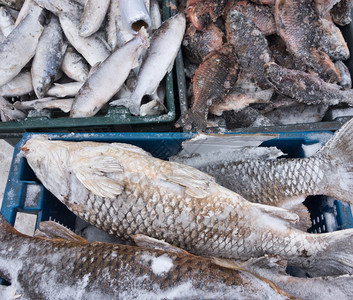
(310, 150)
(161, 264)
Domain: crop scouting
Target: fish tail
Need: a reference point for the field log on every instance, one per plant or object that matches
(339, 151)
(336, 256)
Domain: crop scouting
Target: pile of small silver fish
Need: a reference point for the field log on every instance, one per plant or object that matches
(124, 191)
(77, 55)
(287, 57)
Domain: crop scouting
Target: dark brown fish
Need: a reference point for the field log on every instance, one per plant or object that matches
(341, 12)
(250, 46)
(203, 12)
(199, 43)
(261, 15)
(68, 267)
(265, 2)
(304, 87)
(211, 81)
(332, 41)
(298, 24)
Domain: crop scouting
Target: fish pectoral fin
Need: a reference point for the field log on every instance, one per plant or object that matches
(91, 172)
(145, 241)
(275, 263)
(227, 263)
(278, 212)
(53, 230)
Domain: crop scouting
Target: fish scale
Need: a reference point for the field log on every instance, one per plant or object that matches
(273, 180)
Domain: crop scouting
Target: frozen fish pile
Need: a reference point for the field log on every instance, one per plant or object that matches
(77, 56)
(284, 61)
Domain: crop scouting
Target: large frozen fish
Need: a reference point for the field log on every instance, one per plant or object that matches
(20, 46)
(27, 4)
(121, 189)
(49, 55)
(287, 182)
(93, 16)
(108, 78)
(159, 60)
(111, 27)
(61, 265)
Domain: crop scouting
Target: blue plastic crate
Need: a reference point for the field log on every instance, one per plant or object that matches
(162, 145)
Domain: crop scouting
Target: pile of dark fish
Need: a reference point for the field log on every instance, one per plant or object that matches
(258, 63)
(77, 55)
(190, 237)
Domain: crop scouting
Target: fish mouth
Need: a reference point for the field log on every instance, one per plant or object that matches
(25, 148)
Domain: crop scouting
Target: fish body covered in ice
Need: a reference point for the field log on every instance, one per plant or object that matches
(20, 45)
(108, 78)
(279, 182)
(211, 82)
(159, 60)
(124, 191)
(305, 87)
(57, 264)
(298, 24)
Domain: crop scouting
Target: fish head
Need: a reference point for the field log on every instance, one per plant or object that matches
(48, 159)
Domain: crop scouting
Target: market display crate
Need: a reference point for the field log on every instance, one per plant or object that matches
(113, 119)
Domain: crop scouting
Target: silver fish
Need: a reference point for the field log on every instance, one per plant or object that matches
(18, 86)
(108, 78)
(62, 90)
(159, 60)
(74, 65)
(155, 14)
(49, 55)
(92, 48)
(111, 28)
(123, 190)
(20, 46)
(7, 22)
(27, 4)
(93, 16)
(57, 264)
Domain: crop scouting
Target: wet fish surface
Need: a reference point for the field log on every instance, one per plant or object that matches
(122, 190)
(66, 266)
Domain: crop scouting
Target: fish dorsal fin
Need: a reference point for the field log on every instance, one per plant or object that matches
(144, 241)
(91, 171)
(132, 148)
(278, 212)
(196, 182)
(53, 230)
